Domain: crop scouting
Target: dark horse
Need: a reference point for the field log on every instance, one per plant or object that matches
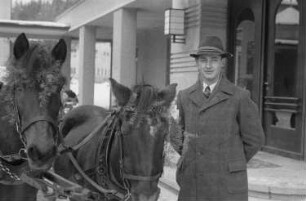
(29, 106)
(126, 150)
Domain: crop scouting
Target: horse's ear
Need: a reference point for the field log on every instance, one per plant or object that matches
(122, 93)
(21, 45)
(59, 51)
(167, 94)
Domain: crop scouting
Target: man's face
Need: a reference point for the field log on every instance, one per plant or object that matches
(209, 67)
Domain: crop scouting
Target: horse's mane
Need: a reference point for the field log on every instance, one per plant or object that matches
(146, 95)
(37, 70)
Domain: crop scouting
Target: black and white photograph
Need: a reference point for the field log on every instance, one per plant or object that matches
(152, 100)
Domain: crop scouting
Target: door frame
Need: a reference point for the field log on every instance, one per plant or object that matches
(236, 7)
(269, 45)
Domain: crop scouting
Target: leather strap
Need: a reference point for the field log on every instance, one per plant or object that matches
(37, 119)
(141, 178)
(63, 148)
(90, 181)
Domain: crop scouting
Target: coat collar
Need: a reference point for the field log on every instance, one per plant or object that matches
(223, 91)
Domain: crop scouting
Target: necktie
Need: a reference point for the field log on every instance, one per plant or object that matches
(207, 92)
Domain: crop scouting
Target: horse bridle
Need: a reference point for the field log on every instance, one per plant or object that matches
(22, 128)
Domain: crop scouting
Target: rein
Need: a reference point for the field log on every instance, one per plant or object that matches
(63, 149)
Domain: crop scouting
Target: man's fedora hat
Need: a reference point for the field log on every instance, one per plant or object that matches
(211, 45)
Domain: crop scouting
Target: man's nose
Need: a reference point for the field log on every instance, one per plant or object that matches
(208, 64)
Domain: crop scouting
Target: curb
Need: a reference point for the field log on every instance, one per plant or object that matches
(277, 193)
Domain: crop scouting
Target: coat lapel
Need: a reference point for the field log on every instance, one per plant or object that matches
(224, 90)
(197, 95)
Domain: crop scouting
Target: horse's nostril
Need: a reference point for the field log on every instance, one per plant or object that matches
(33, 153)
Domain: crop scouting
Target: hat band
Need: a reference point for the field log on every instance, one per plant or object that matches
(209, 49)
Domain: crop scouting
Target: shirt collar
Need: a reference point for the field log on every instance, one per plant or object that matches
(212, 86)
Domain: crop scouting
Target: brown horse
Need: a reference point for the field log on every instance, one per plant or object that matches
(125, 152)
(31, 100)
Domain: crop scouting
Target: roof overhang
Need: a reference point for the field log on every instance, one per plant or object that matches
(150, 13)
(89, 11)
(39, 29)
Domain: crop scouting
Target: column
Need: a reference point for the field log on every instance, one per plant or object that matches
(5, 14)
(5, 9)
(87, 42)
(124, 47)
(66, 68)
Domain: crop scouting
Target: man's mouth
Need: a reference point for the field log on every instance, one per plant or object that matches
(208, 72)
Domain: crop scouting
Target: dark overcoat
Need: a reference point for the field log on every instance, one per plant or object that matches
(221, 134)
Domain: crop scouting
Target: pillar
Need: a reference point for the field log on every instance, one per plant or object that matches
(66, 68)
(5, 14)
(87, 42)
(124, 47)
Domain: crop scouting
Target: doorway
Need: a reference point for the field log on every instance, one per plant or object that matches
(282, 89)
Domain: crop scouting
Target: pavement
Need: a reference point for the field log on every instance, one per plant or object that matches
(270, 177)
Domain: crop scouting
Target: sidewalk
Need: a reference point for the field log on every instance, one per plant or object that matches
(271, 177)
(277, 178)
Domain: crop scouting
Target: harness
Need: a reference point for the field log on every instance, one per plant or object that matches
(106, 183)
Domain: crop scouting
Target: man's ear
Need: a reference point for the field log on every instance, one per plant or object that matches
(223, 61)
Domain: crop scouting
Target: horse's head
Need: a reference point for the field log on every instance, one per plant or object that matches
(34, 83)
(144, 123)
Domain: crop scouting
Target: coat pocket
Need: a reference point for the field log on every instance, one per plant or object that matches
(236, 178)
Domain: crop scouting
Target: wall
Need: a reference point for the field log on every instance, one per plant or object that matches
(202, 18)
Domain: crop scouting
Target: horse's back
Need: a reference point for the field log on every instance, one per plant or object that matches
(75, 126)
(81, 121)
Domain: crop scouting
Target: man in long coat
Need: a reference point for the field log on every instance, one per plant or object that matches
(221, 132)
